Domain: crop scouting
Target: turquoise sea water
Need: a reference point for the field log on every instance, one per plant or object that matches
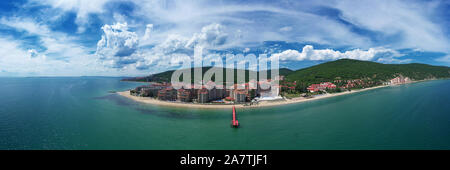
(79, 113)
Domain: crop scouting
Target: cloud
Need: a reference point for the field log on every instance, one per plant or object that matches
(210, 36)
(362, 24)
(166, 54)
(286, 29)
(59, 54)
(309, 53)
(173, 43)
(413, 22)
(26, 24)
(248, 22)
(21, 62)
(220, 26)
(177, 48)
(82, 8)
(148, 31)
(117, 45)
(393, 60)
(117, 41)
(60, 44)
(33, 53)
(444, 59)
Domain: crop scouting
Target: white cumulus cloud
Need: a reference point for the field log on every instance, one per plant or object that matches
(148, 31)
(117, 44)
(120, 48)
(309, 53)
(211, 35)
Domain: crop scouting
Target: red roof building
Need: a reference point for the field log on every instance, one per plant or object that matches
(321, 86)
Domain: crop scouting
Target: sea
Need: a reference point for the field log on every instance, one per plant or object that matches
(81, 113)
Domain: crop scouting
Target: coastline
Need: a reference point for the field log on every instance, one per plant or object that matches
(153, 101)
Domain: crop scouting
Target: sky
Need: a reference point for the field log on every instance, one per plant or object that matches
(141, 37)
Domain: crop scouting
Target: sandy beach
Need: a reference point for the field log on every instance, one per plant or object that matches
(149, 100)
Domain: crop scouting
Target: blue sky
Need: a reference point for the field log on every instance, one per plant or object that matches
(133, 38)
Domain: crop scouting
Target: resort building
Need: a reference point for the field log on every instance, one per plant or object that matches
(314, 88)
(320, 87)
(184, 95)
(221, 91)
(210, 92)
(240, 96)
(146, 90)
(400, 80)
(169, 94)
(203, 95)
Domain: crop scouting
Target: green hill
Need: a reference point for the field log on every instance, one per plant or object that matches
(346, 69)
(343, 69)
(167, 75)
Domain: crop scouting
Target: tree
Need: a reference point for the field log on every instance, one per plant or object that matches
(301, 87)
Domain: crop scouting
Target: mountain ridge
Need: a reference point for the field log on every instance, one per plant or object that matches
(342, 69)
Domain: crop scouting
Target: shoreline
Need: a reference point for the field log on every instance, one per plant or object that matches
(153, 101)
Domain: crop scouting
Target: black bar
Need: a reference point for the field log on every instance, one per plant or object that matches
(275, 158)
